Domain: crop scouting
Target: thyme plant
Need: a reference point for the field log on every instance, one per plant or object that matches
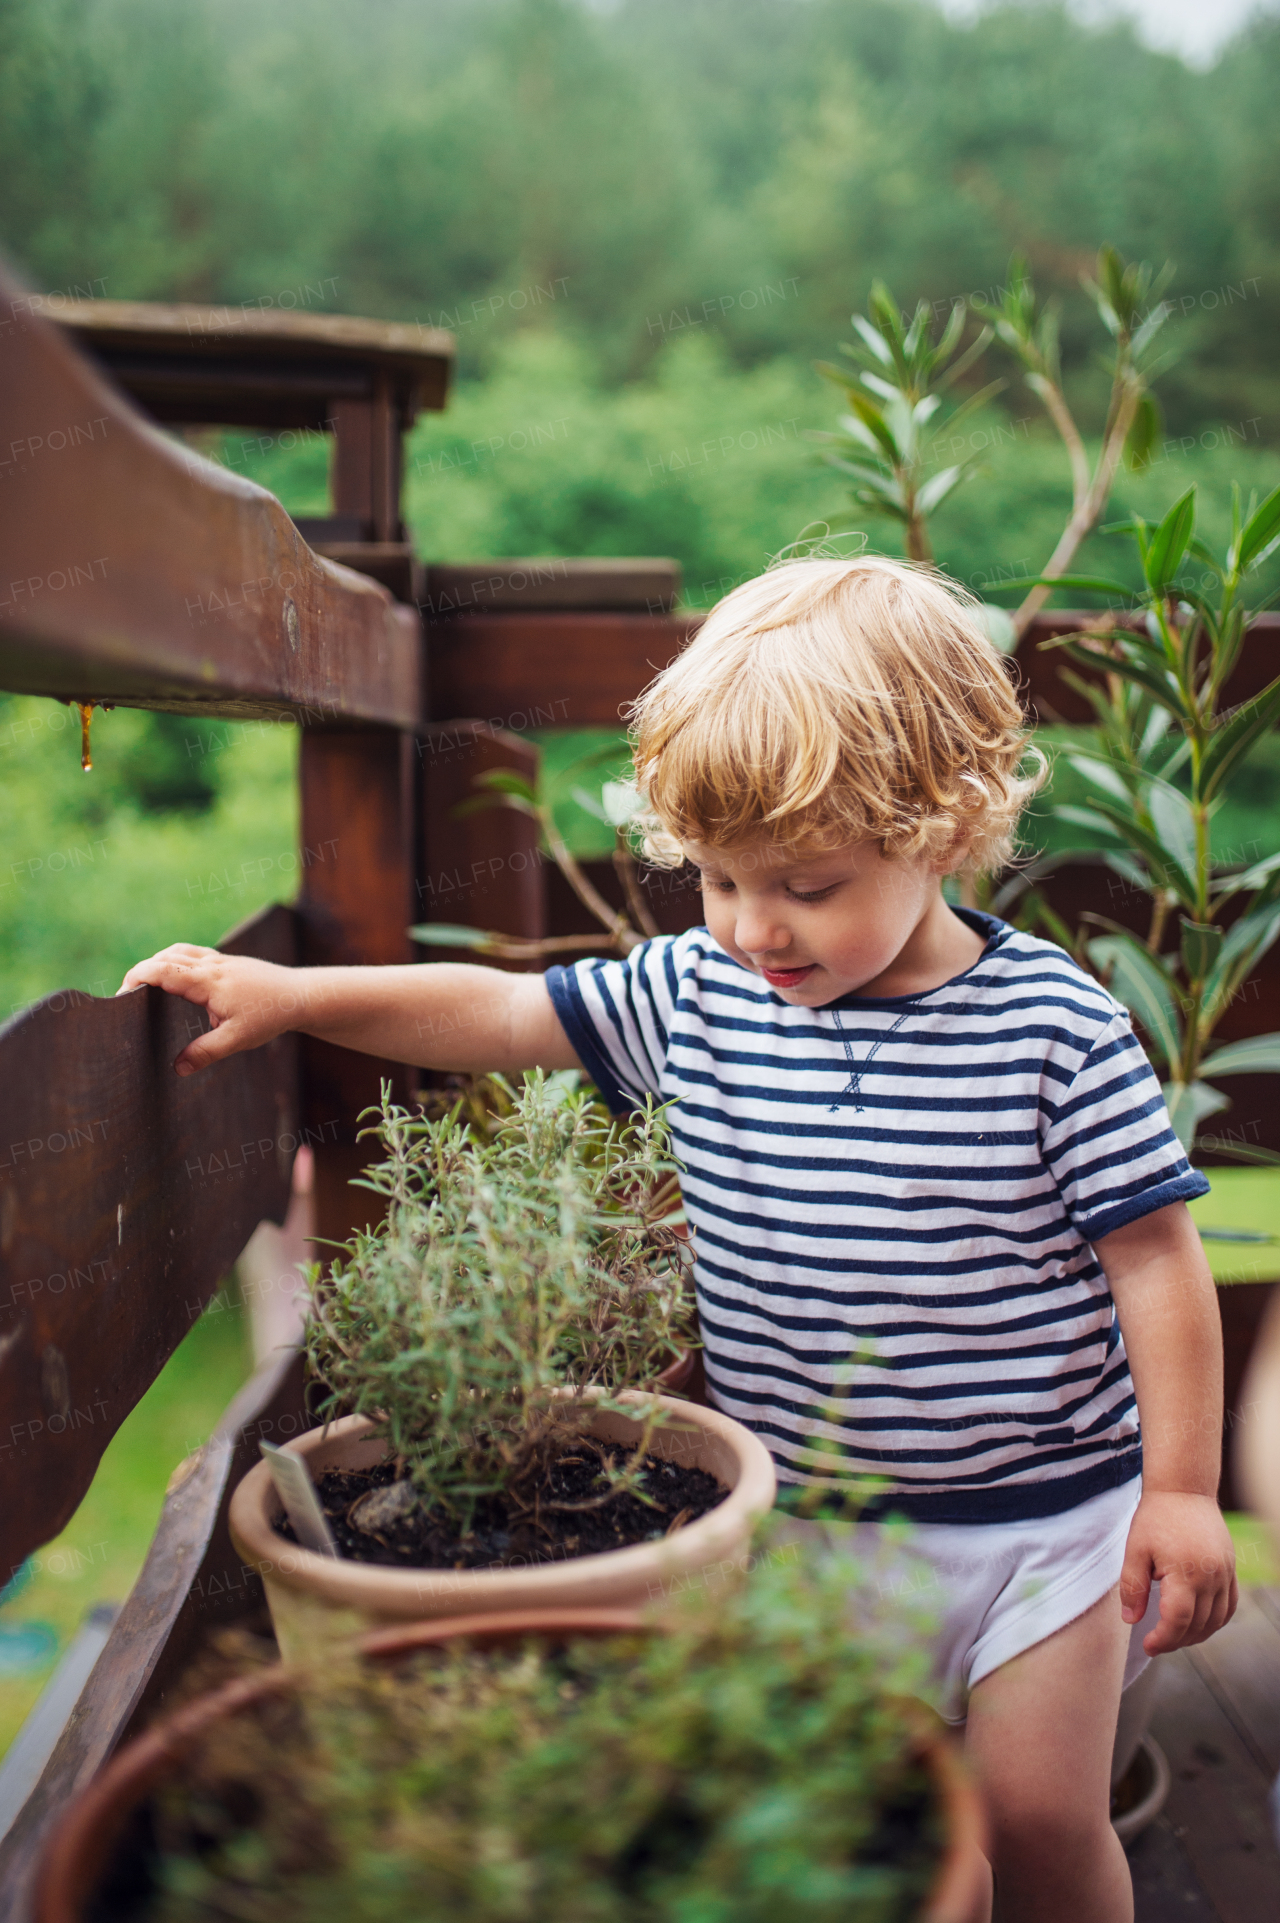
(518, 1267)
(759, 1762)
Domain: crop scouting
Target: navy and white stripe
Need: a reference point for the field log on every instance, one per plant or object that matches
(912, 1181)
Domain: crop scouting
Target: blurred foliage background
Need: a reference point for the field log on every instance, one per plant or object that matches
(643, 222)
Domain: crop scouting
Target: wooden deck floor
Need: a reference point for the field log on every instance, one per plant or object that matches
(1211, 1856)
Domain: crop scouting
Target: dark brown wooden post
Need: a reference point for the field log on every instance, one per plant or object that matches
(367, 460)
(482, 869)
(358, 900)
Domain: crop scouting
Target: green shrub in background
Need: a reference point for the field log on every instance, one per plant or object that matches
(181, 829)
(616, 480)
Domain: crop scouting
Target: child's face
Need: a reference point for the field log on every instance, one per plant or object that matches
(816, 925)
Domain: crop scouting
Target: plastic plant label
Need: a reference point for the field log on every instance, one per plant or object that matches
(301, 1503)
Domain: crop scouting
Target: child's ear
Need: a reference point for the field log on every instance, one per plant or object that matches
(954, 855)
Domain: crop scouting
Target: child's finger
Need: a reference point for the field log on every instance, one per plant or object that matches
(1178, 1602)
(205, 1050)
(1135, 1585)
(178, 970)
(1220, 1607)
(1219, 1614)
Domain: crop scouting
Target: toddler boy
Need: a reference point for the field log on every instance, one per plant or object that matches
(909, 1132)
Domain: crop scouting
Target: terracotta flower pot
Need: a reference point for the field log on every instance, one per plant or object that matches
(314, 1596)
(80, 1848)
(678, 1374)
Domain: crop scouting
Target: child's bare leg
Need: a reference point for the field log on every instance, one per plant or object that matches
(1039, 1740)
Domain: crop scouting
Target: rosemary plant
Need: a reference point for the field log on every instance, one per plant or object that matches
(518, 1267)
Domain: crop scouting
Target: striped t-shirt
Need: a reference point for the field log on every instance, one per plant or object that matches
(892, 1203)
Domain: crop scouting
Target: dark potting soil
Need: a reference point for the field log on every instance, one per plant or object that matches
(503, 1536)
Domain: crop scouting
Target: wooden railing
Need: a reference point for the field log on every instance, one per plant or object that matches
(132, 572)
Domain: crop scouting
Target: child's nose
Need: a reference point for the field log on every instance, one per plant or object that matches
(760, 933)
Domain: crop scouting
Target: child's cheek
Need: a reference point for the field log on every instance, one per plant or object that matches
(862, 944)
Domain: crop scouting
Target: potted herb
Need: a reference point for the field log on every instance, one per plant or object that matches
(755, 1762)
(488, 1345)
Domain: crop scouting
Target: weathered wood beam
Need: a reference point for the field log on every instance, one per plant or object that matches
(125, 1195)
(133, 571)
(634, 585)
(548, 670)
(572, 668)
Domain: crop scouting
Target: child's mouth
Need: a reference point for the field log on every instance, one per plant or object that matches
(787, 977)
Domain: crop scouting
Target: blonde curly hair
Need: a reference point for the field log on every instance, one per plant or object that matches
(833, 701)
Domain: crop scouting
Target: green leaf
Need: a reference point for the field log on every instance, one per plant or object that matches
(1246, 942)
(447, 934)
(1099, 774)
(1201, 943)
(588, 802)
(1259, 531)
(1166, 870)
(1259, 1055)
(885, 389)
(1169, 542)
(874, 340)
(1240, 1151)
(873, 420)
(478, 803)
(1150, 328)
(1188, 1104)
(1086, 818)
(938, 486)
(1232, 739)
(1174, 822)
(1138, 981)
(506, 781)
(951, 333)
(850, 425)
(1087, 583)
(1260, 875)
(971, 406)
(1157, 681)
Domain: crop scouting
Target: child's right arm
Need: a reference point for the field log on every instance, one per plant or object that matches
(434, 1014)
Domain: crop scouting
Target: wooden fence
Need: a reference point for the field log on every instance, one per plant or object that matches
(133, 572)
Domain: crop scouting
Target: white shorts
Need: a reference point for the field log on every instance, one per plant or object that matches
(988, 1591)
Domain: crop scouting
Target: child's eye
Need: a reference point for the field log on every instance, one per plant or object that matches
(817, 894)
(721, 886)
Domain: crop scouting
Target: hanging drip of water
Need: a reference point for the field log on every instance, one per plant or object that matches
(86, 753)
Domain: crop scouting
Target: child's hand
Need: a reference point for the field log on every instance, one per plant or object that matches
(248, 1002)
(1184, 1544)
